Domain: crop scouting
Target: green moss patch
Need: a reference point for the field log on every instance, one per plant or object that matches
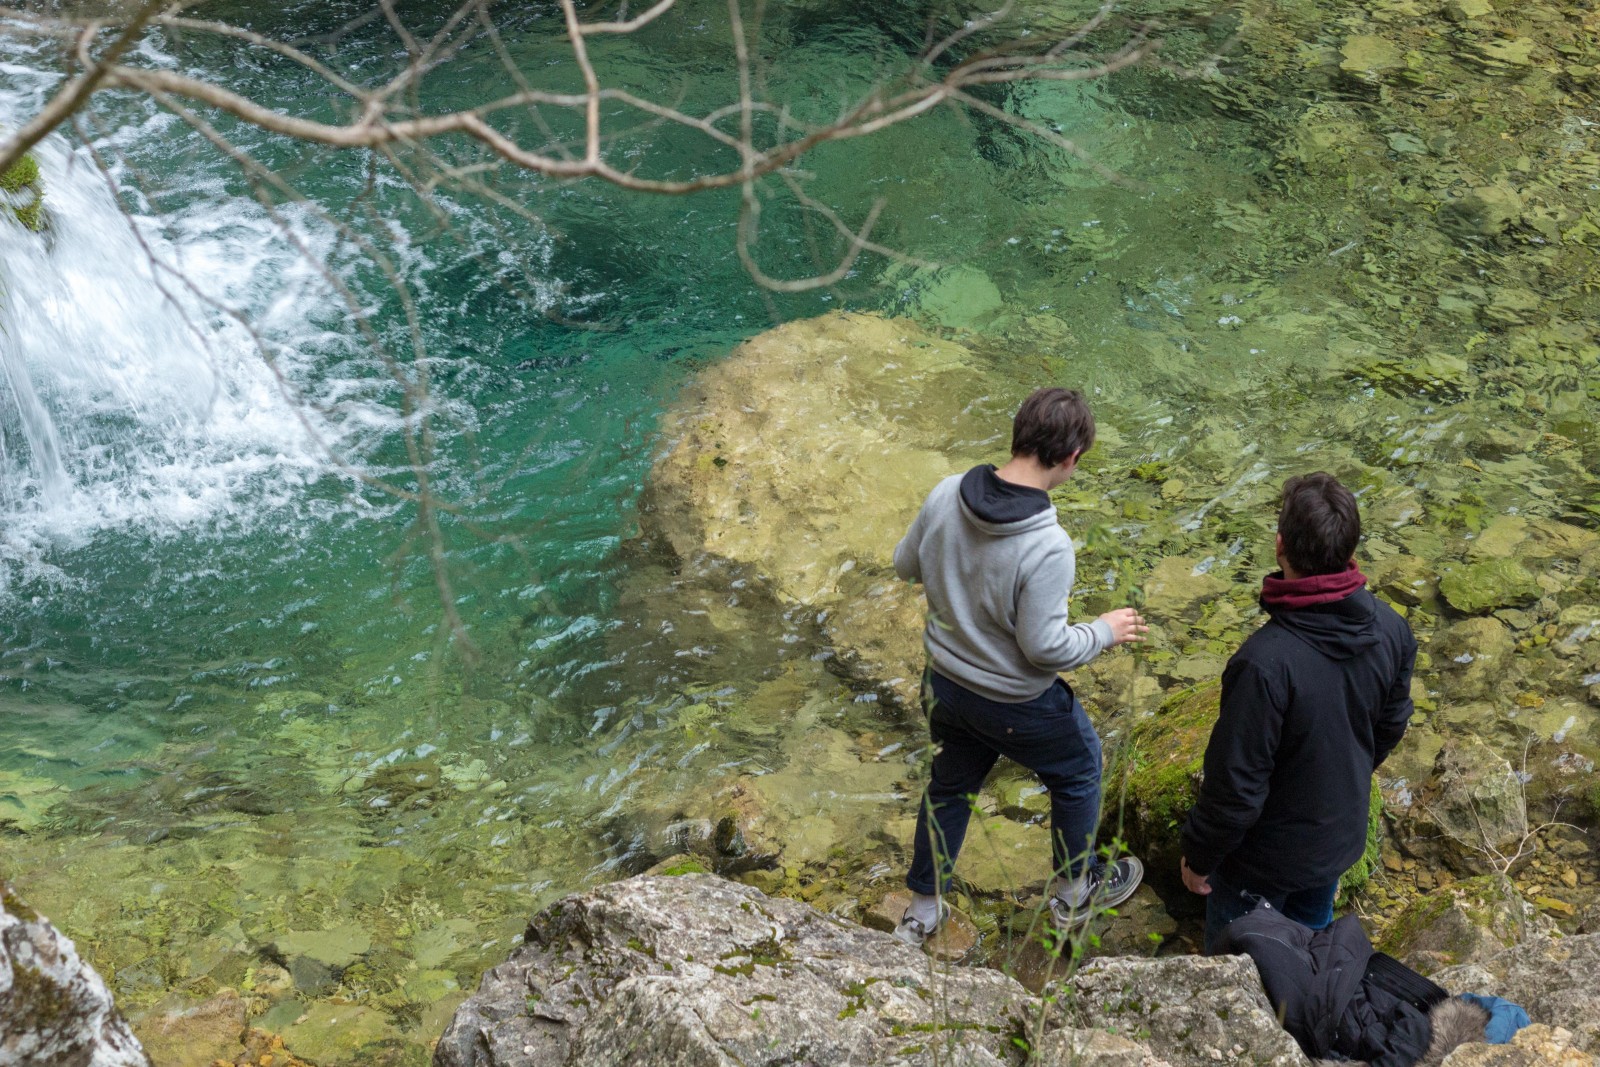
(24, 190)
(1161, 766)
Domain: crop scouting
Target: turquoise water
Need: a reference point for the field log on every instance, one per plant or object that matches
(236, 711)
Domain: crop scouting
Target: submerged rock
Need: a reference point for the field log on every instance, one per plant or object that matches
(1477, 588)
(55, 1011)
(805, 455)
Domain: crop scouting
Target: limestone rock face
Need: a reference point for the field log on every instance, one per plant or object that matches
(696, 970)
(55, 1011)
(1553, 978)
(1191, 1007)
(1532, 1046)
(804, 457)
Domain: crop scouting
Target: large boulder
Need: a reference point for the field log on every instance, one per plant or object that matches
(695, 970)
(55, 1011)
(804, 456)
(1193, 1009)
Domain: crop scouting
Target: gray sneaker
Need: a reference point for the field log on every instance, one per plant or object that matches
(914, 933)
(1109, 885)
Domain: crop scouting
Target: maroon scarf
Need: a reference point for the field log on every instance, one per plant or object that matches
(1292, 594)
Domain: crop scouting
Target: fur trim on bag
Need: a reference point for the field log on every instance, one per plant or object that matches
(1454, 1022)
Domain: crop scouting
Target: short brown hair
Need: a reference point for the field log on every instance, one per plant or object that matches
(1319, 522)
(1051, 425)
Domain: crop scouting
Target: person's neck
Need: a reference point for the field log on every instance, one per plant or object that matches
(1028, 471)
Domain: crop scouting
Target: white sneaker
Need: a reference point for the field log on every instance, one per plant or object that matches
(914, 933)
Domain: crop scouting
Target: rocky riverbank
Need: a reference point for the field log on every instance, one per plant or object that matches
(801, 458)
(698, 970)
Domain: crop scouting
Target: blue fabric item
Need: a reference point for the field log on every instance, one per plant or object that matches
(1505, 1018)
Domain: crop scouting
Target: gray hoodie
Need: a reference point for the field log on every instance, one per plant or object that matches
(997, 569)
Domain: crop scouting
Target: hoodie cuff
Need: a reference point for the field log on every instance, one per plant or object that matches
(1102, 631)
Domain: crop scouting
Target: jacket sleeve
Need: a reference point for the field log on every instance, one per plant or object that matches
(1391, 724)
(1048, 640)
(907, 563)
(1238, 766)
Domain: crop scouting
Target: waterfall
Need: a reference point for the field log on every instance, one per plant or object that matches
(132, 396)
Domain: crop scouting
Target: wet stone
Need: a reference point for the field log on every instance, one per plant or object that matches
(954, 941)
(1475, 588)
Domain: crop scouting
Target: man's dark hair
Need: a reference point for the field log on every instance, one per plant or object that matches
(1051, 425)
(1320, 524)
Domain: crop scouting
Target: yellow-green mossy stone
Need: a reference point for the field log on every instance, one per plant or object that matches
(24, 192)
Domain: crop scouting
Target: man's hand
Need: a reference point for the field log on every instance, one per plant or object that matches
(1195, 883)
(1126, 625)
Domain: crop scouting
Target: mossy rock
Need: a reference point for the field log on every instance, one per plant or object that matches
(1163, 765)
(1355, 879)
(24, 192)
(1461, 923)
(1160, 769)
(1478, 588)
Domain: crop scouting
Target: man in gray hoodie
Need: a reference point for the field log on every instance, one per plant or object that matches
(997, 569)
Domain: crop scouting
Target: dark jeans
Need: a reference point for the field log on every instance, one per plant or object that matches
(1311, 908)
(1050, 735)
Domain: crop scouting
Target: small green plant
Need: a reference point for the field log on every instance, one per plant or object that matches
(24, 191)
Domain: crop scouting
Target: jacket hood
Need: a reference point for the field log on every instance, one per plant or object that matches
(1343, 629)
(999, 507)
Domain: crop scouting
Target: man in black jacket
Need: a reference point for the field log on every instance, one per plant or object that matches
(1312, 703)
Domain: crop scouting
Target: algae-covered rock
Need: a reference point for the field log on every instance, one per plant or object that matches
(1468, 10)
(1484, 211)
(1159, 776)
(197, 1036)
(1365, 56)
(1176, 584)
(54, 1007)
(1465, 922)
(1477, 588)
(1471, 657)
(1405, 580)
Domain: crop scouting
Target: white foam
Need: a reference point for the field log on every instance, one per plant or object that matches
(130, 397)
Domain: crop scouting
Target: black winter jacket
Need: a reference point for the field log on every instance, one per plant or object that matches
(1336, 996)
(1311, 703)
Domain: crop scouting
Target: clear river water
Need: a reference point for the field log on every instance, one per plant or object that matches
(236, 717)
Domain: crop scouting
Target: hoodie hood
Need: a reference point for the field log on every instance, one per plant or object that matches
(997, 506)
(1342, 629)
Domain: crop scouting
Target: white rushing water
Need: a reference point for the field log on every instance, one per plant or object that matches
(132, 397)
